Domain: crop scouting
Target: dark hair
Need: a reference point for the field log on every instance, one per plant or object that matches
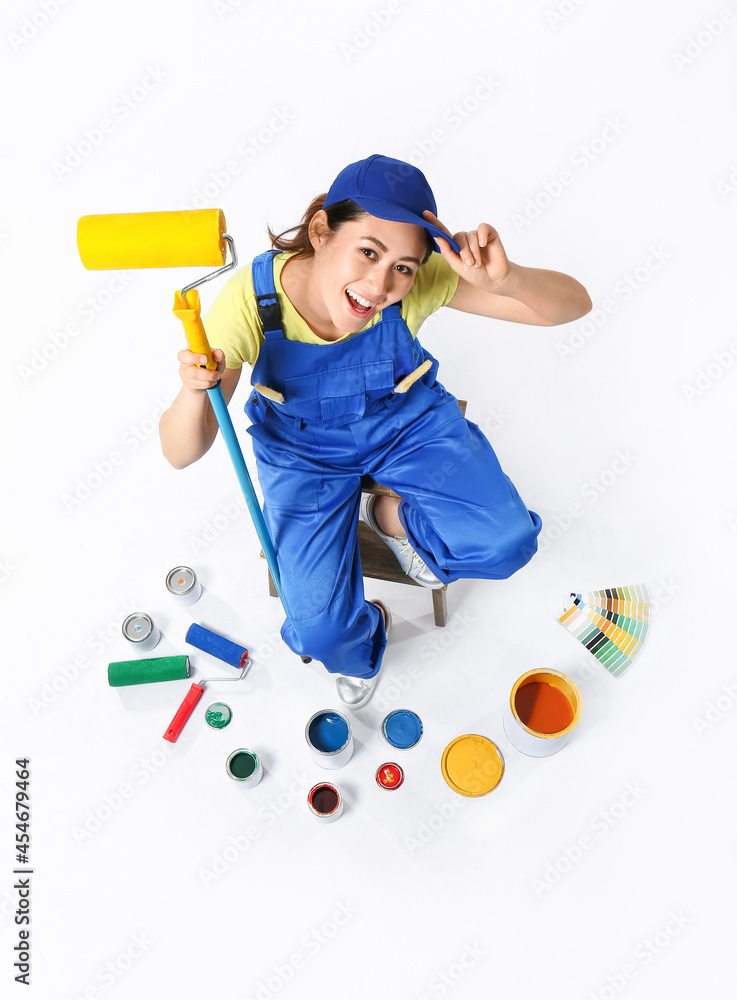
(342, 211)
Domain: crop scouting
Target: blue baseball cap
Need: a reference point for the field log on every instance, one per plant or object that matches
(389, 189)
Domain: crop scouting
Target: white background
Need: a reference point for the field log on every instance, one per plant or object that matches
(605, 869)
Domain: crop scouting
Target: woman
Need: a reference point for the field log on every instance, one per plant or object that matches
(342, 387)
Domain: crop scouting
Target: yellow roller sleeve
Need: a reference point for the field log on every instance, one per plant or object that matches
(152, 239)
(187, 309)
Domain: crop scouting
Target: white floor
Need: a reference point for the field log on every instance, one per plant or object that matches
(607, 868)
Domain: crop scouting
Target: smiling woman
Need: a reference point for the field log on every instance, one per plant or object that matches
(342, 387)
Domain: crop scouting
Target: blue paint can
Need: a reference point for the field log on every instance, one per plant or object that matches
(329, 737)
(402, 729)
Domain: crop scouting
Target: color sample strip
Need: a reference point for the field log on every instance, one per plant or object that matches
(612, 623)
(587, 633)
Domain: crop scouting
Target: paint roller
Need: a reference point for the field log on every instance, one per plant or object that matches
(178, 239)
(122, 673)
(190, 700)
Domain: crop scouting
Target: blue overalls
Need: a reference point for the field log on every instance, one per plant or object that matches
(340, 419)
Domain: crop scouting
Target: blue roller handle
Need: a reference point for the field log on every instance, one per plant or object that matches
(216, 645)
(236, 455)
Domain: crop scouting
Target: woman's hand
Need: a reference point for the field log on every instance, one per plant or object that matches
(200, 379)
(482, 260)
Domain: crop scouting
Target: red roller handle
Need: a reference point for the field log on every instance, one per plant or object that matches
(183, 712)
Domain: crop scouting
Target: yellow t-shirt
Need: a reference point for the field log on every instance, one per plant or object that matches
(232, 322)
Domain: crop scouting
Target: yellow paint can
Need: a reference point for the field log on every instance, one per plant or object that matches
(472, 765)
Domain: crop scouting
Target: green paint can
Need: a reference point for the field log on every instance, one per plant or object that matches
(244, 766)
(218, 715)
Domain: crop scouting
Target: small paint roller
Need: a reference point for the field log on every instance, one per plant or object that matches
(178, 239)
(216, 645)
(158, 668)
(190, 700)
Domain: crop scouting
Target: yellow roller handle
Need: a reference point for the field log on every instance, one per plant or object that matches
(187, 309)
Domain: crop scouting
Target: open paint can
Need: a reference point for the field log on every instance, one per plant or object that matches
(402, 729)
(183, 585)
(244, 766)
(329, 737)
(544, 708)
(472, 765)
(389, 776)
(139, 630)
(325, 802)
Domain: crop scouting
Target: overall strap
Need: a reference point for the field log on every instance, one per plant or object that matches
(267, 301)
(392, 311)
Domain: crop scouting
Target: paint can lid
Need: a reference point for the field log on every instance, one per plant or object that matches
(389, 776)
(218, 715)
(402, 729)
(180, 580)
(472, 765)
(138, 627)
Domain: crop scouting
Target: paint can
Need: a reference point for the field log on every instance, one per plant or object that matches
(139, 630)
(389, 776)
(544, 708)
(244, 766)
(472, 765)
(183, 585)
(402, 729)
(329, 737)
(218, 715)
(325, 802)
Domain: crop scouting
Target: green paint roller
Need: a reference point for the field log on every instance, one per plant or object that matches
(157, 668)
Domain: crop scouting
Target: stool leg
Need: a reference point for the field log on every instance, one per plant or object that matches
(440, 607)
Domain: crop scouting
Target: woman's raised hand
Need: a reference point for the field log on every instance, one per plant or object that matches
(482, 261)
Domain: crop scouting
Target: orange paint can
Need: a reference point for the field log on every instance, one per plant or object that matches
(544, 709)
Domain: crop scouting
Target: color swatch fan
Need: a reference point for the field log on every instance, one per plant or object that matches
(612, 624)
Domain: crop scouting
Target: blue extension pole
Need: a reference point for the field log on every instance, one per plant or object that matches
(236, 455)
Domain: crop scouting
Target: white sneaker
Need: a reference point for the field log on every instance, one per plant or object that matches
(413, 564)
(354, 692)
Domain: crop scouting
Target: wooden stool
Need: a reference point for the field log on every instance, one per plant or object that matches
(378, 562)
